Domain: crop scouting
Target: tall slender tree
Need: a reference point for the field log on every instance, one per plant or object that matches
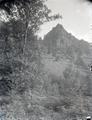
(23, 20)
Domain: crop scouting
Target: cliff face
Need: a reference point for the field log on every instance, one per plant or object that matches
(58, 39)
(63, 45)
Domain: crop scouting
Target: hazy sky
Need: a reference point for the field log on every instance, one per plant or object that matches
(77, 18)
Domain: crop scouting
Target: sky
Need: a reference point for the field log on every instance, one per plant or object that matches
(76, 18)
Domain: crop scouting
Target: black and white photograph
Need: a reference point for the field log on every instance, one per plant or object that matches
(45, 60)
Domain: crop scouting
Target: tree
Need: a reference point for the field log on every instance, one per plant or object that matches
(29, 15)
(21, 50)
(20, 47)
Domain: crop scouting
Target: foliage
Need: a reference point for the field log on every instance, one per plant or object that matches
(19, 49)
